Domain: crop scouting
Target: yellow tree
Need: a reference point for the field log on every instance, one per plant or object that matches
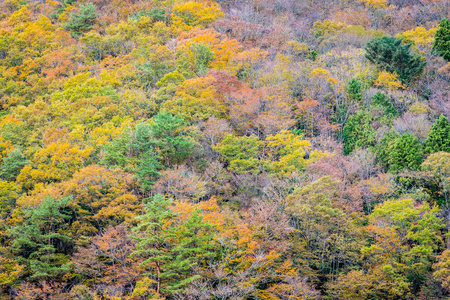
(195, 100)
(192, 14)
(56, 162)
(288, 153)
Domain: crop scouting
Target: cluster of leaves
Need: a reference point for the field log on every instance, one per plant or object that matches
(224, 149)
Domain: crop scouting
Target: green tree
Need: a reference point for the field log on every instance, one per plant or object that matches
(384, 147)
(171, 248)
(153, 239)
(40, 242)
(156, 14)
(116, 153)
(168, 138)
(442, 39)
(381, 100)
(438, 164)
(12, 164)
(165, 137)
(406, 236)
(203, 57)
(140, 142)
(147, 169)
(406, 153)
(389, 54)
(439, 137)
(358, 131)
(83, 21)
(328, 237)
(241, 153)
(354, 90)
(194, 246)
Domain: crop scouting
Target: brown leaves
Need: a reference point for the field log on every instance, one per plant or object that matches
(106, 263)
(251, 111)
(181, 184)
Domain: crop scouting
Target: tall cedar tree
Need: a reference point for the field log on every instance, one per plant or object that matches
(389, 54)
(439, 137)
(382, 101)
(442, 39)
(406, 153)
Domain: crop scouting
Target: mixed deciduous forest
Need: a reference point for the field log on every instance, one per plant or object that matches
(227, 149)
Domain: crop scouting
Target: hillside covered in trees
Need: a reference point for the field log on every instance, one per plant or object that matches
(224, 150)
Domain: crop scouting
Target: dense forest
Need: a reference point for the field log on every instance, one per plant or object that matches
(227, 149)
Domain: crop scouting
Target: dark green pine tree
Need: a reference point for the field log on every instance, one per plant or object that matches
(406, 153)
(442, 39)
(154, 238)
(195, 247)
(439, 137)
(83, 21)
(389, 54)
(39, 241)
(171, 249)
(384, 147)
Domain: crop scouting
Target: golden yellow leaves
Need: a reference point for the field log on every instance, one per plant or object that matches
(192, 14)
(442, 269)
(327, 27)
(284, 153)
(144, 288)
(22, 15)
(9, 269)
(324, 74)
(196, 100)
(375, 3)
(418, 36)
(56, 162)
(99, 195)
(418, 108)
(296, 48)
(223, 48)
(389, 81)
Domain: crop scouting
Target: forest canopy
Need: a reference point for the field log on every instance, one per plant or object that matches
(211, 149)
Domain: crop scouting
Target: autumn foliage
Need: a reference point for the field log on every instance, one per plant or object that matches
(270, 150)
